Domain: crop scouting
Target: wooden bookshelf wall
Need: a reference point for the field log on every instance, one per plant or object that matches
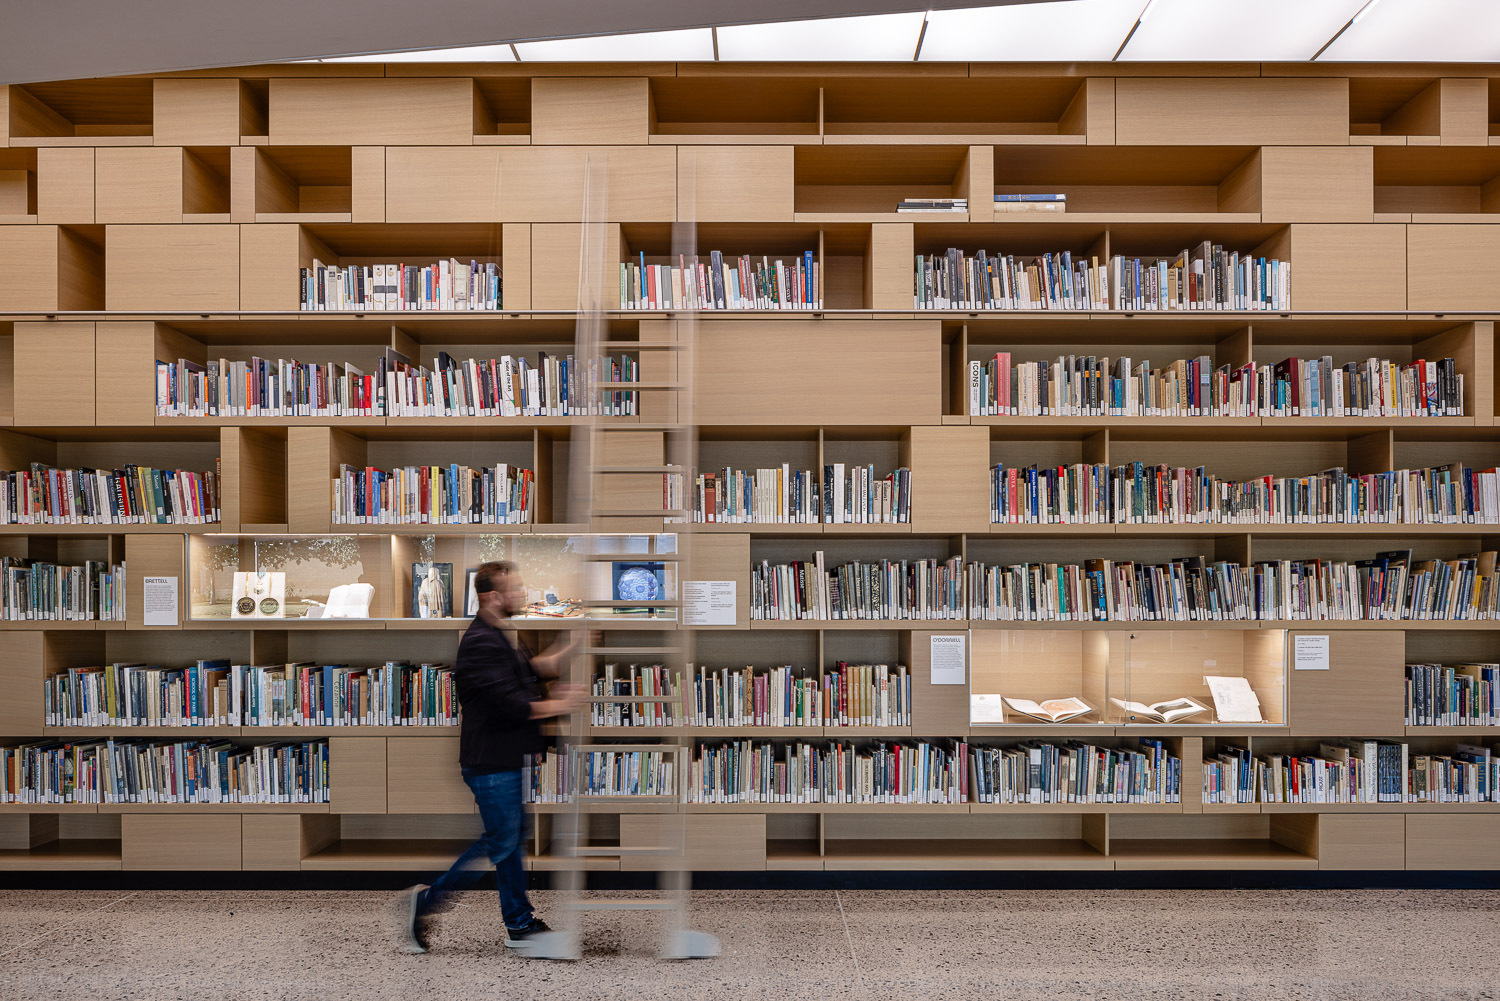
(164, 218)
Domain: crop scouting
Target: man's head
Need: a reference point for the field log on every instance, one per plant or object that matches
(499, 587)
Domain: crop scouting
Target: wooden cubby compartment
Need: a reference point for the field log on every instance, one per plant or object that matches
(97, 112)
(59, 841)
(414, 244)
(1213, 841)
(1151, 182)
(17, 185)
(205, 184)
(1438, 184)
(52, 268)
(502, 110)
(715, 108)
(1419, 111)
(1041, 664)
(840, 249)
(313, 565)
(293, 183)
(864, 183)
(935, 108)
(7, 374)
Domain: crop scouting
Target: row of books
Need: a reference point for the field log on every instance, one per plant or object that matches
(1207, 277)
(164, 772)
(722, 283)
(1452, 694)
(509, 386)
(1141, 494)
(558, 776)
(446, 284)
(133, 495)
(1098, 386)
(746, 771)
(849, 495)
(218, 693)
(434, 495)
(1352, 770)
(784, 696)
(1391, 586)
(886, 589)
(1076, 772)
(34, 590)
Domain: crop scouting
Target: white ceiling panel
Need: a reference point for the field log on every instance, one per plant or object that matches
(1072, 30)
(883, 37)
(695, 45)
(1424, 30)
(1237, 30)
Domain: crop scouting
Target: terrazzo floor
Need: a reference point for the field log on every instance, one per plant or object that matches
(1367, 945)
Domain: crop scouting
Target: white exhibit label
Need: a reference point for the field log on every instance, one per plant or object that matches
(1310, 653)
(708, 603)
(948, 659)
(986, 709)
(159, 606)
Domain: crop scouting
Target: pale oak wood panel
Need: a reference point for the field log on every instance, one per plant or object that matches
(556, 260)
(268, 266)
(174, 267)
(723, 557)
(367, 192)
(280, 842)
(47, 392)
(735, 184)
(21, 671)
(357, 774)
(1317, 184)
(195, 112)
(442, 184)
(578, 110)
(29, 262)
(1287, 111)
(1350, 267)
(125, 377)
(890, 264)
(1445, 841)
(423, 777)
(65, 185)
(153, 556)
(696, 842)
(1361, 692)
(547, 183)
(515, 285)
(371, 112)
(1452, 267)
(138, 184)
(1346, 841)
(895, 364)
(950, 475)
(180, 841)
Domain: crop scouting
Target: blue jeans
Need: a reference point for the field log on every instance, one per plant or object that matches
(506, 826)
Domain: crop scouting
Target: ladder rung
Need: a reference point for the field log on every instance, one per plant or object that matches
(642, 345)
(633, 699)
(606, 850)
(629, 651)
(636, 557)
(619, 603)
(627, 512)
(636, 387)
(625, 904)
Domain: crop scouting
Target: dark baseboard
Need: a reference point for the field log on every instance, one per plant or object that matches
(875, 880)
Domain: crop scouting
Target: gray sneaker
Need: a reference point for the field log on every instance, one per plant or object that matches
(519, 938)
(412, 925)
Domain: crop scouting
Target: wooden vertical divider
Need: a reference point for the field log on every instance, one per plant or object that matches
(153, 556)
(1094, 829)
(1192, 775)
(936, 710)
(515, 287)
(889, 267)
(367, 183)
(313, 456)
(1372, 453)
(256, 479)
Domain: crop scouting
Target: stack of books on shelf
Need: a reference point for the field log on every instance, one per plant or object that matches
(1140, 494)
(394, 694)
(1452, 694)
(887, 589)
(1094, 386)
(554, 386)
(1391, 586)
(133, 495)
(873, 695)
(931, 205)
(33, 590)
(1351, 770)
(446, 284)
(849, 495)
(722, 283)
(434, 495)
(1076, 772)
(560, 776)
(920, 772)
(164, 772)
(1204, 278)
(1039, 202)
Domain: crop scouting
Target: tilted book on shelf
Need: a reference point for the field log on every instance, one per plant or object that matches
(1052, 710)
(1169, 711)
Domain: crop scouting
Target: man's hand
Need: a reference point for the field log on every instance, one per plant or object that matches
(565, 699)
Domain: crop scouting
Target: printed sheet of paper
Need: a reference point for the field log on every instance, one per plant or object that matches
(1234, 700)
(1310, 653)
(159, 602)
(986, 709)
(708, 603)
(948, 659)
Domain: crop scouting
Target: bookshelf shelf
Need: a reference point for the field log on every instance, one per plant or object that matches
(165, 218)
